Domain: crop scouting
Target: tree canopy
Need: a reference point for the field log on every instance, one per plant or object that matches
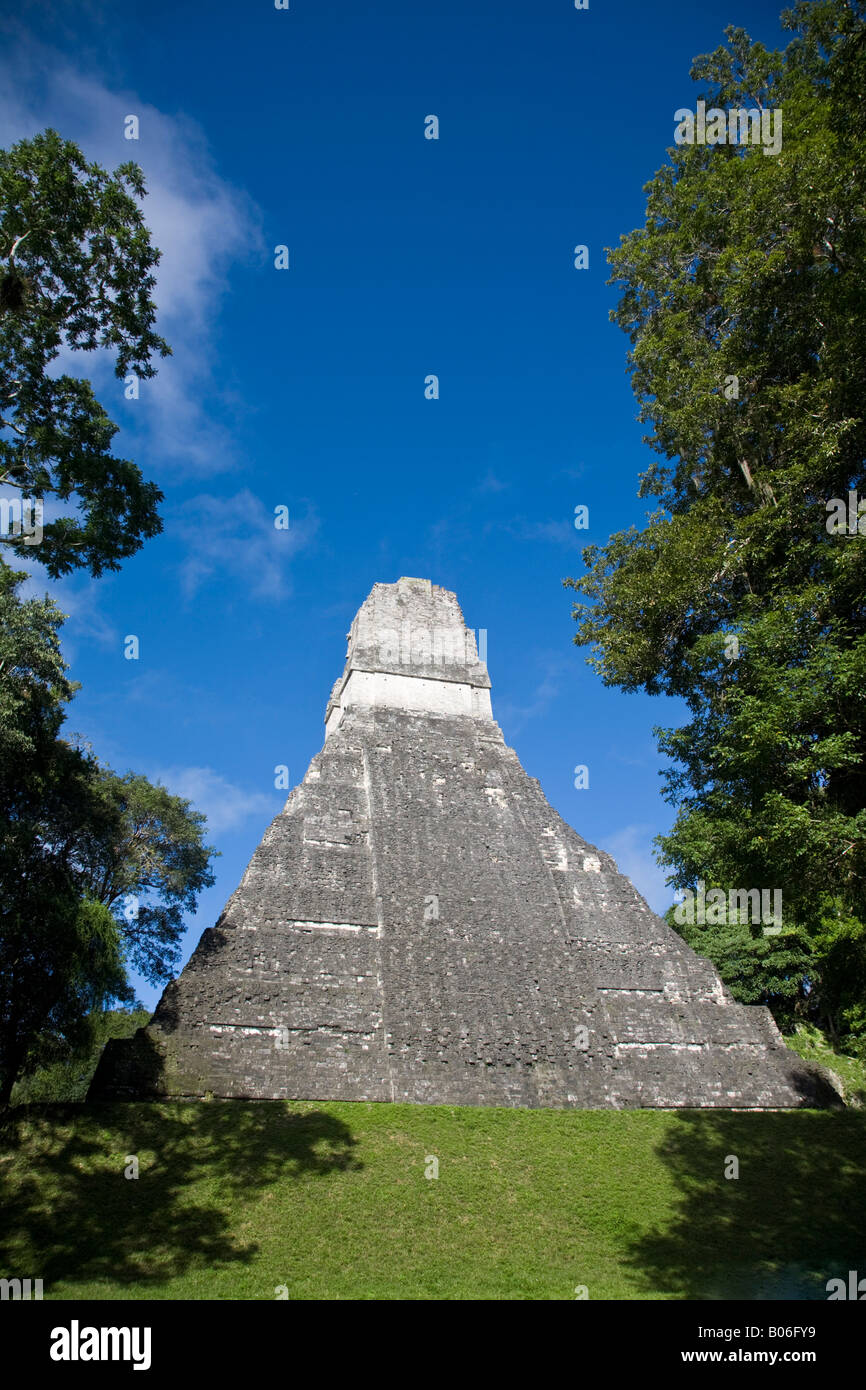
(77, 274)
(96, 869)
(744, 299)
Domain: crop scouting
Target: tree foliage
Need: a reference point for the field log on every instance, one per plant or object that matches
(744, 299)
(77, 265)
(33, 683)
(758, 969)
(62, 1072)
(96, 870)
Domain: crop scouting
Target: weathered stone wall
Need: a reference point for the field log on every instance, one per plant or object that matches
(418, 924)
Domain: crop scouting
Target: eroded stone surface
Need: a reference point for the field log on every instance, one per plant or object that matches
(418, 924)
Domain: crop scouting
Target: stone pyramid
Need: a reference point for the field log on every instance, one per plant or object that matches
(418, 924)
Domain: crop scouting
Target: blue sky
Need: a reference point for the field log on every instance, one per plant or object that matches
(305, 387)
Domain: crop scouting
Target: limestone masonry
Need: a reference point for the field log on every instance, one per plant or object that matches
(418, 924)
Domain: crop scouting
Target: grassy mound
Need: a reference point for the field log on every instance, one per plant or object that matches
(331, 1201)
(849, 1072)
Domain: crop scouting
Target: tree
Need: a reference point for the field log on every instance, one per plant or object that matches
(33, 682)
(77, 275)
(142, 856)
(776, 971)
(64, 1073)
(744, 298)
(96, 870)
(60, 959)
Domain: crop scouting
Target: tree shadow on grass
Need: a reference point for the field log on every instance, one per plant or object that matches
(793, 1219)
(72, 1215)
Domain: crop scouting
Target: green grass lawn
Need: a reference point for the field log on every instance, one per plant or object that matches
(235, 1199)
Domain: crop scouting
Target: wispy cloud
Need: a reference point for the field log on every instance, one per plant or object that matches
(491, 483)
(558, 532)
(200, 222)
(80, 600)
(513, 716)
(225, 805)
(236, 536)
(633, 851)
(552, 532)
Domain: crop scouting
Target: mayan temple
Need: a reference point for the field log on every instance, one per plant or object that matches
(418, 924)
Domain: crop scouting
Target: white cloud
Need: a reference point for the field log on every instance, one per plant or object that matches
(237, 536)
(551, 532)
(78, 599)
(201, 224)
(225, 805)
(491, 483)
(634, 853)
(515, 716)
(557, 532)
